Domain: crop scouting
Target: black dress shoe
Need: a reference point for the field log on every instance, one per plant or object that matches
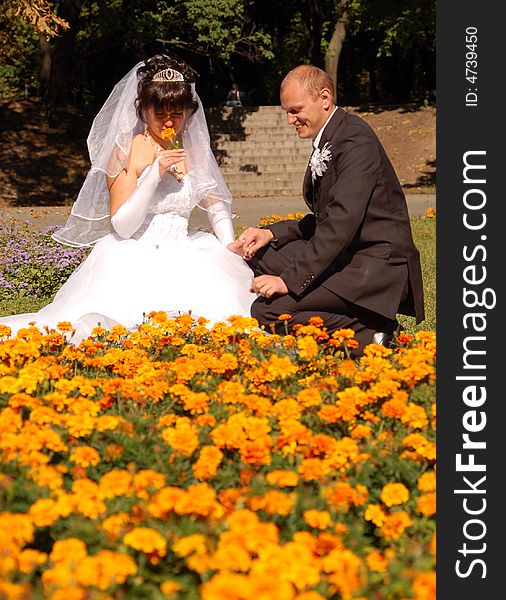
(385, 338)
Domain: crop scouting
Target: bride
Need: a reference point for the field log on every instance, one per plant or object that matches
(151, 164)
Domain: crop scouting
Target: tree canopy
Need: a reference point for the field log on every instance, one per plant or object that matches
(72, 51)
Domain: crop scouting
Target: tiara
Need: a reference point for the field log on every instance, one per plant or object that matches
(168, 75)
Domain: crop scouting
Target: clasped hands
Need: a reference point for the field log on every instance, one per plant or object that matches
(251, 240)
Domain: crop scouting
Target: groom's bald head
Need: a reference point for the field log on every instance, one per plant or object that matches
(311, 78)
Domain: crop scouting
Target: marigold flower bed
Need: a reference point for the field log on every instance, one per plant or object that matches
(185, 462)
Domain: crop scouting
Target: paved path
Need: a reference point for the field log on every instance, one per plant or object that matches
(248, 210)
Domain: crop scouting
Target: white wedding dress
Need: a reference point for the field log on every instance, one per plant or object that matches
(164, 266)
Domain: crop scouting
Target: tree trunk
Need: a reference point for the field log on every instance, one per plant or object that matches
(313, 29)
(62, 65)
(45, 60)
(336, 45)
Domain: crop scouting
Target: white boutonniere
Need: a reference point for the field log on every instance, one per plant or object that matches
(319, 160)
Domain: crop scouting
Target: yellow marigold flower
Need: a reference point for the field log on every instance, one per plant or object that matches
(331, 413)
(273, 502)
(208, 462)
(167, 134)
(169, 587)
(283, 317)
(282, 478)
(5, 331)
(226, 585)
(424, 586)
(319, 519)
(48, 476)
(309, 596)
(70, 549)
(147, 479)
(256, 452)
(395, 524)
(394, 494)
(116, 482)
(432, 544)
(44, 512)
(190, 544)
(183, 438)
(344, 568)
(313, 469)
(360, 432)
(376, 561)
(427, 482)
(196, 402)
(115, 525)
(309, 397)
(230, 556)
(105, 569)
(85, 456)
(146, 540)
(395, 407)
(308, 347)
(376, 514)
(421, 445)
(415, 416)
(342, 495)
(30, 559)
(427, 504)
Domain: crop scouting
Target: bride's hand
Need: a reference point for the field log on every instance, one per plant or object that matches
(236, 248)
(169, 159)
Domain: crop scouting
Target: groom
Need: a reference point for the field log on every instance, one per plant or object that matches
(351, 261)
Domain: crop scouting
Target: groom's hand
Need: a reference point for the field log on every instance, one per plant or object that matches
(254, 238)
(267, 285)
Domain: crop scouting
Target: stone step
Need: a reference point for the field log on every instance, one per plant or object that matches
(254, 162)
(265, 169)
(257, 134)
(275, 144)
(263, 177)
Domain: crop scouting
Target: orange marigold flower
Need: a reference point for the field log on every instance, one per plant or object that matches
(308, 347)
(394, 494)
(284, 317)
(85, 456)
(415, 416)
(376, 514)
(208, 462)
(360, 432)
(427, 482)
(427, 504)
(424, 586)
(376, 561)
(282, 478)
(183, 438)
(319, 519)
(395, 524)
(189, 544)
(256, 452)
(169, 587)
(309, 397)
(70, 549)
(30, 559)
(313, 469)
(146, 540)
(273, 502)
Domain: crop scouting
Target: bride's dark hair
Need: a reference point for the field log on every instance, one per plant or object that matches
(164, 96)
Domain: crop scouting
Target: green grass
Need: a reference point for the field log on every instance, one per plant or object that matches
(424, 233)
(16, 306)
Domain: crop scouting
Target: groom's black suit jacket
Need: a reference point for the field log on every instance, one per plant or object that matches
(359, 242)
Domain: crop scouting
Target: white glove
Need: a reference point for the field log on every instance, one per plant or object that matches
(221, 221)
(131, 214)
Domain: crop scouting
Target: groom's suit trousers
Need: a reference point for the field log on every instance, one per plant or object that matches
(336, 312)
